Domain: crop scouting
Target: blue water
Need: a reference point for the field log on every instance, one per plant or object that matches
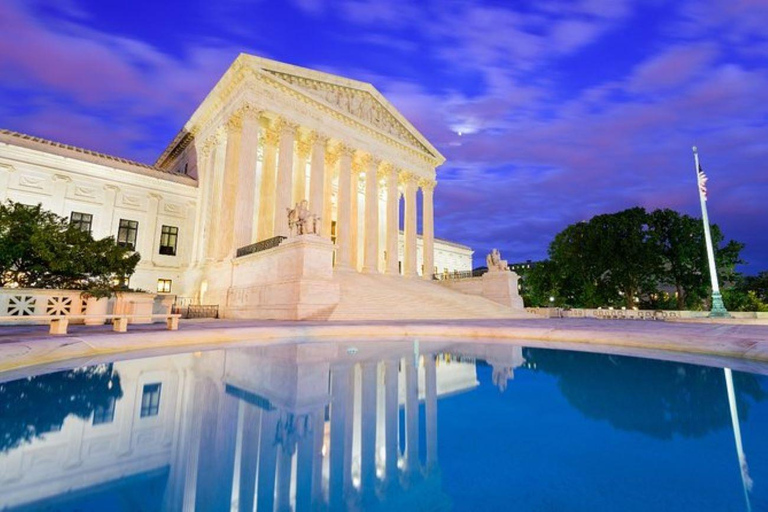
(304, 427)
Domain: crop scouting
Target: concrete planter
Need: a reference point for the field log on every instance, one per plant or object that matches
(94, 306)
(135, 303)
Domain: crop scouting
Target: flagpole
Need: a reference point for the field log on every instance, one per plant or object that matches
(718, 308)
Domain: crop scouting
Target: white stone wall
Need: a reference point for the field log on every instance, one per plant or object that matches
(449, 256)
(64, 184)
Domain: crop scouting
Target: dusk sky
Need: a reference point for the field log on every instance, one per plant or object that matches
(548, 112)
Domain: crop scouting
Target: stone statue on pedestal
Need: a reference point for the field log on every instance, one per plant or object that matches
(495, 263)
(301, 221)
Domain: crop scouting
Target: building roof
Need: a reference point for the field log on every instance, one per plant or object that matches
(319, 88)
(86, 155)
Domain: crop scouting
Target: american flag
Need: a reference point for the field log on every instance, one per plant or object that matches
(702, 178)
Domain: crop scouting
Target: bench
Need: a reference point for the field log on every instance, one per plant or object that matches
(59, 324)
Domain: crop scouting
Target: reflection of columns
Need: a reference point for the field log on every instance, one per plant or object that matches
(127, 407)
(355, 203)
(428, 227)
(317, 467)
(430, 409)
(303, 148)
(249, 456)
(411, 415)
(284, 175)
(391, 419)
(327, 213)
(341, 390)
(284, 467)
(265, 496)
(217, 449)
(371, 253)
(410, 225)
(246, 176)
(317, 189)
(344, 205)
(305, 459)
(369, 372)
(393, 221)
(266, 224)
(229, 189)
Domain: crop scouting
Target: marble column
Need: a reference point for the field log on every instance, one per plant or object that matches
(303, 149)
(246, 176)
(317, 189)
(284, 178)
(391, 420)
(344, 204)
(266, 222)
(60, 186)
(369, 383)
(5, 180)
(357, 168)
(428, 227)
(409, 182)
(330, 173)
(107, 223)
(152, 236)
(205, 190)
(371, 233)
(430, 410)
(412, 462)
(393, 220)
(341, 390)
(215, 180)
(225, 243)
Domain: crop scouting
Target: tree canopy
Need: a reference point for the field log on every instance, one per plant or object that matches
(39, 249)
(631, 258)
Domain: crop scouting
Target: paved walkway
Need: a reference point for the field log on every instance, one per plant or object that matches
(27, 346)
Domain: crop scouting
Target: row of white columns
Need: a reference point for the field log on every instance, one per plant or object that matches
(230, 161)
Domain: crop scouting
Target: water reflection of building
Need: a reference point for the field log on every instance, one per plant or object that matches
(294, 427)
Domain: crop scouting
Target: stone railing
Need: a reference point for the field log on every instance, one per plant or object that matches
(634, 314)
(26, 305)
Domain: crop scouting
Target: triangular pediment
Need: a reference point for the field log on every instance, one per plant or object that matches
(360, 101)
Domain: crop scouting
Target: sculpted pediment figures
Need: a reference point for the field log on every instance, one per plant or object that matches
(357, 103)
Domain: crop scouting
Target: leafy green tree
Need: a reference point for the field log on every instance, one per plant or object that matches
(33, 406)
(39, 249)
(679, 239)
(538, 284)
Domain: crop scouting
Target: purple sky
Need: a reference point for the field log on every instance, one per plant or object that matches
(565, 109)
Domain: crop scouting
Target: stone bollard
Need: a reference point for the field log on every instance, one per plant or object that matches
(120, 324)
(59, 325)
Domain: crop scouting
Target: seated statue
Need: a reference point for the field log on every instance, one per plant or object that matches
(495, 263)
(301, 221)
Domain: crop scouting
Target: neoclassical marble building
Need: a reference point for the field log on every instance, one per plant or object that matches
(210, 217)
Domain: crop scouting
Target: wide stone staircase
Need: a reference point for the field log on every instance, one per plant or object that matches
(384, 297)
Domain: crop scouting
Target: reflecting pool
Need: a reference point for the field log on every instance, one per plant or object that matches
(385, 426)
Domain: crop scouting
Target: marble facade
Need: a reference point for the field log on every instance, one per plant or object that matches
(268, 136)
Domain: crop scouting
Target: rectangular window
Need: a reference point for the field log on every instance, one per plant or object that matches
(126, 233)
(168, 238)
(81, 221)
(102, 415)
(150, 400)
(164, 286)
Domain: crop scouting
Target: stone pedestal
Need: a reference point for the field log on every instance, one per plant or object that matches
(501, 287)
(293, 281)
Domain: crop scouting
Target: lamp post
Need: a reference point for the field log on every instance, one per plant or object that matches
(718, 308)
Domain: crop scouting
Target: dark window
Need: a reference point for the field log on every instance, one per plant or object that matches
(163, 286)
(168, 238)
(81, 221)
(126, 233)
(102, 415)
(150, 400)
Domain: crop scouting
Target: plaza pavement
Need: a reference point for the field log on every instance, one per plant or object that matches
(27, 346)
